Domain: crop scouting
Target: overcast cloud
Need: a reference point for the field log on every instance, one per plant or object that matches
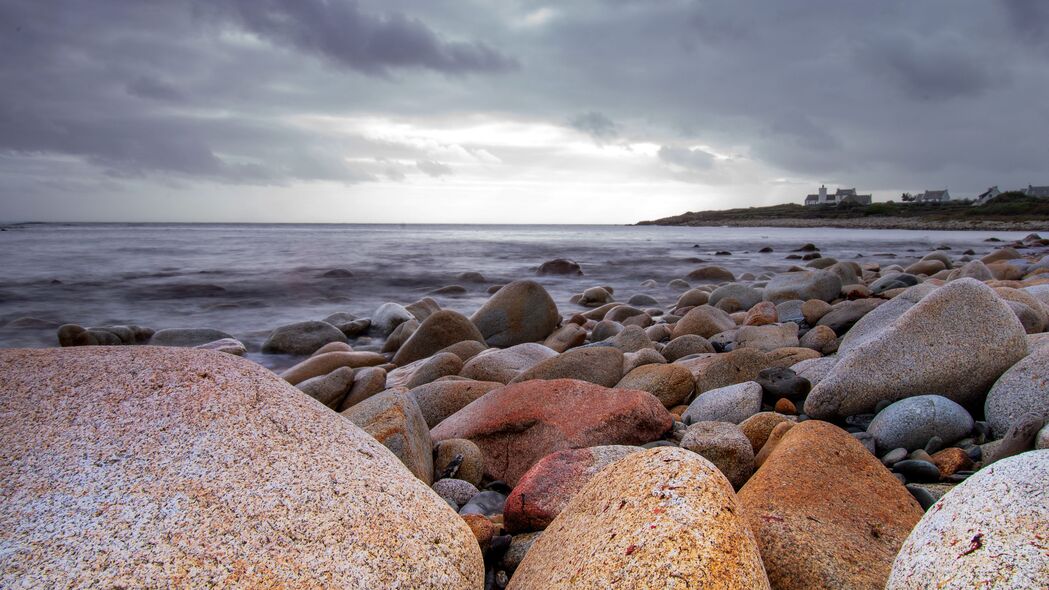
(604, 111)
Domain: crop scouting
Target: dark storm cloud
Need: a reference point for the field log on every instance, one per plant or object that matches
(688, 158)
(371, 42)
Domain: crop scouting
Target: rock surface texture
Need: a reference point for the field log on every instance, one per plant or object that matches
(147, 467)
(662, 518)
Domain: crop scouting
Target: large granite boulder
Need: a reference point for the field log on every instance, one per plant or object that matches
(147, 467)
(661, 518)
(521, 311)
(957, 341)
(988, 532)
(1023, 389)
(550, 484)
(519, 424)
(826, 513)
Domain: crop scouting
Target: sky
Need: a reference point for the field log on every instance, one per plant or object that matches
(514, 111)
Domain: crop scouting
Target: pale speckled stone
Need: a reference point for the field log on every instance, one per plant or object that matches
(734, 403)
(956, 341)
(143, 467)
(1023, 389)
(661, 518)
(814, 369)
(394, 419)
(991, 531)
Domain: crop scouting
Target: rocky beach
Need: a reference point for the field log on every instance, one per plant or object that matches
(832, 420)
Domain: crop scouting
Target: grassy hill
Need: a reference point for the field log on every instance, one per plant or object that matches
(1006, 210)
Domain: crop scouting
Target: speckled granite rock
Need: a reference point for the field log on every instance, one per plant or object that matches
(147, 467)
(734, 403)
(956, 341)
(1023, 389)
(825, 512)
(504, 365)
(661, 518)
(990, 531)
(671, 384)
(910, 423)
(394, 419)
(520, 312)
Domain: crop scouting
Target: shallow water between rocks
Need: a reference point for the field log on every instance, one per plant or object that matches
(247, 279)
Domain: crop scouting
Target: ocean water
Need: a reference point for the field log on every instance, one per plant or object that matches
(249, 279)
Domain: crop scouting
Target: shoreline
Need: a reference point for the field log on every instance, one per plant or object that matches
(870, 223)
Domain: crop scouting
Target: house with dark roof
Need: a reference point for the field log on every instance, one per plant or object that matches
(840, 196)
(986, 196)
(933, 197)
(1041, 192)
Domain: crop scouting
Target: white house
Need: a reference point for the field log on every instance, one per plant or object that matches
(842, 195)
(933, 197)
(986, 196)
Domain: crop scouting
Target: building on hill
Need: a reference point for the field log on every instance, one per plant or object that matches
(933, 197)
(1041, 192)
(986, 196)
(840, 196)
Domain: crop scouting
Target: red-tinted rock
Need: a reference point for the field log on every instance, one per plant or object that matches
(546, 488)
(517, 425)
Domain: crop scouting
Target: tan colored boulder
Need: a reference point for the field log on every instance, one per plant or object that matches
(152, 467)
(661, 518)
(716, 370)
(322, 364)
(442, 328)
(503, 365)
(602, 365)
(441, 399)
(565, 337)
(394, 419)
(366, 383)
(671, 384)
(826, 513)
(521, 311)
(778, 432)
(762, 314)
(704, 321)
(758, 427)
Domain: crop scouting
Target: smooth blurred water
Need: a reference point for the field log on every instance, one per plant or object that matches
(248, 279)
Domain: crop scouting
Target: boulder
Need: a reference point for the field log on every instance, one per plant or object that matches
(1023, 389)
(559, 266)
(843, 316)
(990, 531)
(703, 321)
(602, 365)
(870, 326)
(394, 419)
(804, 285)
(440, 329)
(329, 389)
(671, 384)
(503, 365)
(686, 345)
(958, 340)
(758, 427)
(388, 316)
(724, 445)
(734, 403)
(762, 314)
(711, 274)
(519, 424)
(550, 484)
(440, 399)
(322, 364)
(911, 422)
(565, 337)
(366, 382)
(734, 297)
(661, 518)
(826, 513)
(458, 458)
(186, 337)
(712, 371)
(768, 337)
(520, 312)
(190, 468)
(442, 364)
(302, 338)
(226, 345)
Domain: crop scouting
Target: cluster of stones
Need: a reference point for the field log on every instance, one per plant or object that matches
(837, 425)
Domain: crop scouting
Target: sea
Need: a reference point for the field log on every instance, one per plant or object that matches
(247, 279)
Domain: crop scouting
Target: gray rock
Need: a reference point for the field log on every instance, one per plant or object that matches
(724, 445)
(768, 337)
(790, 311)
(989, 531)
(814, 370)
(226, 345)
(893, 281)
(439, 330)
(521, 311)
(871, 324)
(602, 365)
(487, 503)
(186, 337)
(957, 340)
(734, 297)
(329, 389)
(388, 316)
(844, 315)
(642, 299)
(302, 338)
(439, 365)
(456, 490)
(804, 285)
(1023, 389)
(503, 365)
(686, 345)
(734, 404)
(910, 423)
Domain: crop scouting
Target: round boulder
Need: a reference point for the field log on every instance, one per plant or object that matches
(911, 422)
(302, 338)
(1023, 389)
(520, 312)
